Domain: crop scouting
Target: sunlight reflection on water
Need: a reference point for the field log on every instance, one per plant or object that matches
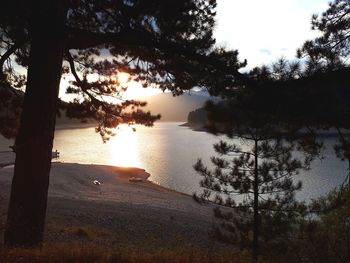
(124, 148)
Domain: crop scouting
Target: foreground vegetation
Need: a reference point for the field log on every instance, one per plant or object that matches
(78, 253)
(324, 237)
(321, 235)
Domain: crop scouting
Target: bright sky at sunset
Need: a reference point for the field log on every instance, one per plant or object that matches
(262, 31)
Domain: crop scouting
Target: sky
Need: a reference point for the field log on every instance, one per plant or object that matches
(262, 31)
(265, 30)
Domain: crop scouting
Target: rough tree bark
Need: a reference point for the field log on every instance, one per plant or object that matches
(27, 207)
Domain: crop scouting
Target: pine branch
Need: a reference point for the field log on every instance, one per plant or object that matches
(82, 39)
(9, 52)
(72, 67)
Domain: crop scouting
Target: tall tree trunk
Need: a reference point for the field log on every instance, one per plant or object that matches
(27, 207)
(256, 207)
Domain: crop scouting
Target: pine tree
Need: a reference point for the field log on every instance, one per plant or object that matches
(331, 50)
(259, 172)
(252, 180)
(168, 44)
(253, 174)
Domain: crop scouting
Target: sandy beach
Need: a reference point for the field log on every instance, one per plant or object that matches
(124, 209)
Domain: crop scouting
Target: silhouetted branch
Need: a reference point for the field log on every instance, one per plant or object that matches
(79, 81)
(72, 67)
(81, 39)
(9, 52)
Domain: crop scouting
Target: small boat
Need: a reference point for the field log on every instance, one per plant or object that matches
(55, 154)
(135, 179)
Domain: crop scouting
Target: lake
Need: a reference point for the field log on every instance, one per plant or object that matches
(168, 151)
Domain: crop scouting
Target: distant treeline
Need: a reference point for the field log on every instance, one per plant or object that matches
(197, 117)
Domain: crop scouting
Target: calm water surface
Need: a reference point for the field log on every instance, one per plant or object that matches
(168, 152)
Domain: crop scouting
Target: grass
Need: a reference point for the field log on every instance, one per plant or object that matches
(83, 232)
(78, 253)
(86, 231)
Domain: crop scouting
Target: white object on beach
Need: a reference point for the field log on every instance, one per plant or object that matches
(96, 182)
(135, 179)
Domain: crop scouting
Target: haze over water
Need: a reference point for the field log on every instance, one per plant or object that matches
(168, 152)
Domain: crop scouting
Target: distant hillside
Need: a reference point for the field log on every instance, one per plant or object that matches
(197, 117)
(171, 108)
(175, 108)
(63, 122)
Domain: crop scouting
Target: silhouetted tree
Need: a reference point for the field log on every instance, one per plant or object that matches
(167, 44)
(197, 117)
(332, 49)
(330, 52)
(325, 236)
(273, 139)
(254, 173)
(275, 119)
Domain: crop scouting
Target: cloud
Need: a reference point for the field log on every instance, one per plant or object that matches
(265, 51)
(263, 31)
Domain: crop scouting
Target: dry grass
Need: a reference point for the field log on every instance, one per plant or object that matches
(77, 253)
(84, 231)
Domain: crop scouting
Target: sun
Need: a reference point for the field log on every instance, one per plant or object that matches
(123, 78)
(133, 89)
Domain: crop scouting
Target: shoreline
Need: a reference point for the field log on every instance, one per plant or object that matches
(322, 134)
(194, 127)
(153, 214)
(72, 126)
(144, 177)
(117, 184)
